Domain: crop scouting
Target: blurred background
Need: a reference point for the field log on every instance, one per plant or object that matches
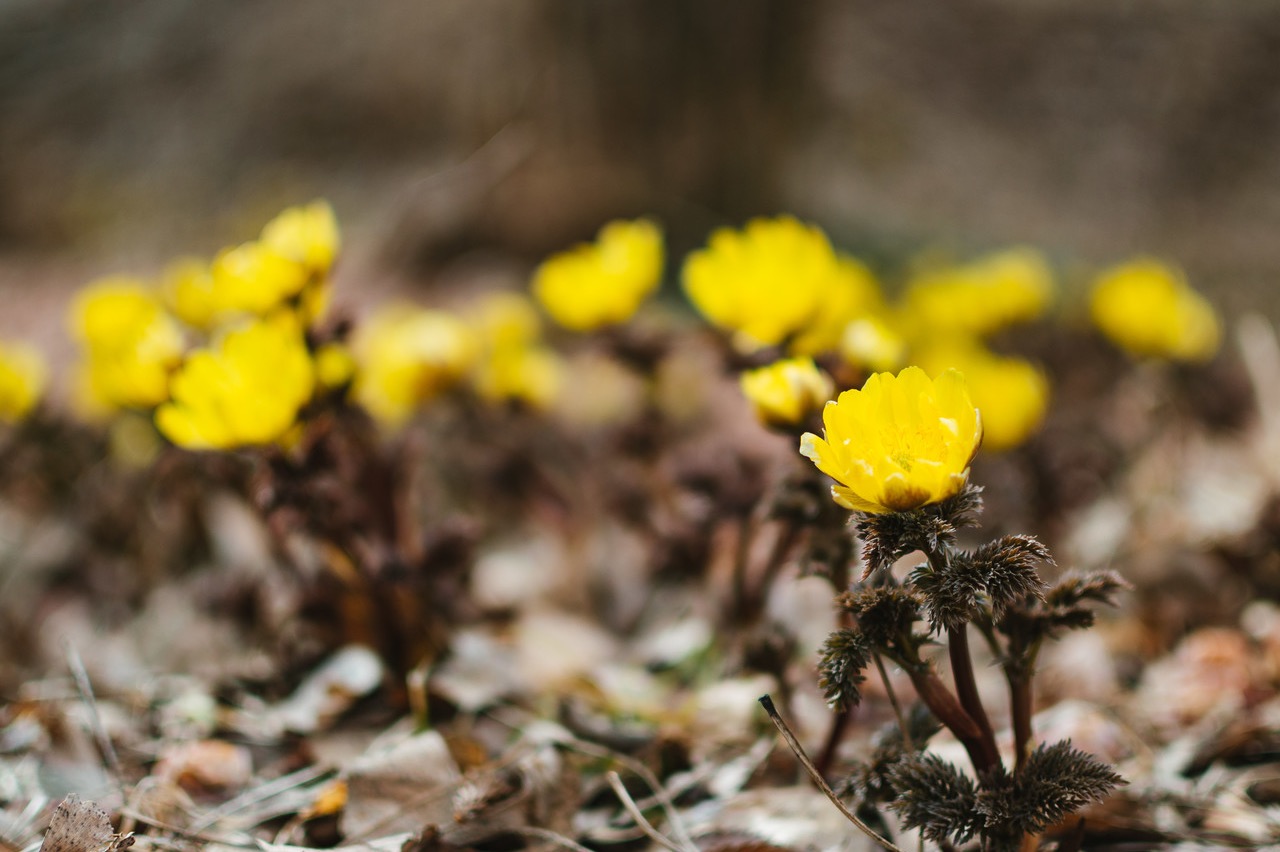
(472, 137)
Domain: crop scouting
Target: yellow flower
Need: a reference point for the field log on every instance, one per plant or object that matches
(131, 345)
(1011, 393)
(1148, 309)
(764, 283)
(335, 365)
(244, 390)
(407, 356)
(255, 278)
(513, 365)
(873, 343)
(901, 442)
(306, 235)
(602, 283)
(188, 291)
(786, 392)
(23, 374)
(982, 296)
(851, 294)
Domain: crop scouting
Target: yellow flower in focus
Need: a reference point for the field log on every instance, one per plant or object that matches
(1148, 309)
(23, 374)
(786, 392)
(764, 283)
(306, 235)
(852, 294)
(513, 364)
(873, 344)
(602, 283)
(244, 390)
(900, 443)
(1011, 393)
(981, 296)
(131, 345)
(406, 356)
(255, 278)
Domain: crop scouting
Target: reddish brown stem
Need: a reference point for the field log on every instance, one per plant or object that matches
(967, 691)
(950, 713)
(1020, 704)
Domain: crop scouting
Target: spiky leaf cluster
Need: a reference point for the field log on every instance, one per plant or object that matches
(884, 614)
(1008, 570)
(1056, 781)
(998, 575)
(945, 804)
(888, 537)
(936, 798)
(869, 781)
(842, 659)
(1065, 606)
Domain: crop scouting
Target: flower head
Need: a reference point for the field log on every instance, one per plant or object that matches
(851, 294)
(306, 235)
(513, 363)
(246, 389)
(981, 296)
(130, 342)
(406, 356)
(23, 374)
(255, 278)
(1011, 393)
(602, 283)
(872, 342)
(764, 283)
(786, 392)
(901, 442)
(1149, 310)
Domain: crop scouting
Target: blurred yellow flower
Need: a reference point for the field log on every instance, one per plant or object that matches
(335, 365)
(764, 283)
(131, 345)
(1148, 309)
(602, 283)
(255, 278)
(187, 286)
(901, 442)
(872, 343)
(23, 374)
(306, 235)
(246, 389)
(406, 356)
(852, 293)
(512, 363)
(1011, 393)
(786, 392)
(982, 296)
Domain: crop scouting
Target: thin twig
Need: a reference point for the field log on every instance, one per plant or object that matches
(767, 702)
(550, 836)
(189, 834)
(260, 794)
(85, 688)
(634, 810)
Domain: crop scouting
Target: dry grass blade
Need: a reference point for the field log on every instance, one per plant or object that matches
(634, 810)
(767, 702)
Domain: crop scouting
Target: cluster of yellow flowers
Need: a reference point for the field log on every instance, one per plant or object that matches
(779, 283)
(224, 353)
(217, 350)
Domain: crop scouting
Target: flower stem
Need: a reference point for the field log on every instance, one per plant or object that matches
(967, 690)
(949, 711)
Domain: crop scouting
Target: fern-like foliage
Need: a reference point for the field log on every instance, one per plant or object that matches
(888, 537)
(936, 798)
(841, 661)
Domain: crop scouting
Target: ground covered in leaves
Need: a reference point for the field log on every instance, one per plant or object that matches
(500, 630)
